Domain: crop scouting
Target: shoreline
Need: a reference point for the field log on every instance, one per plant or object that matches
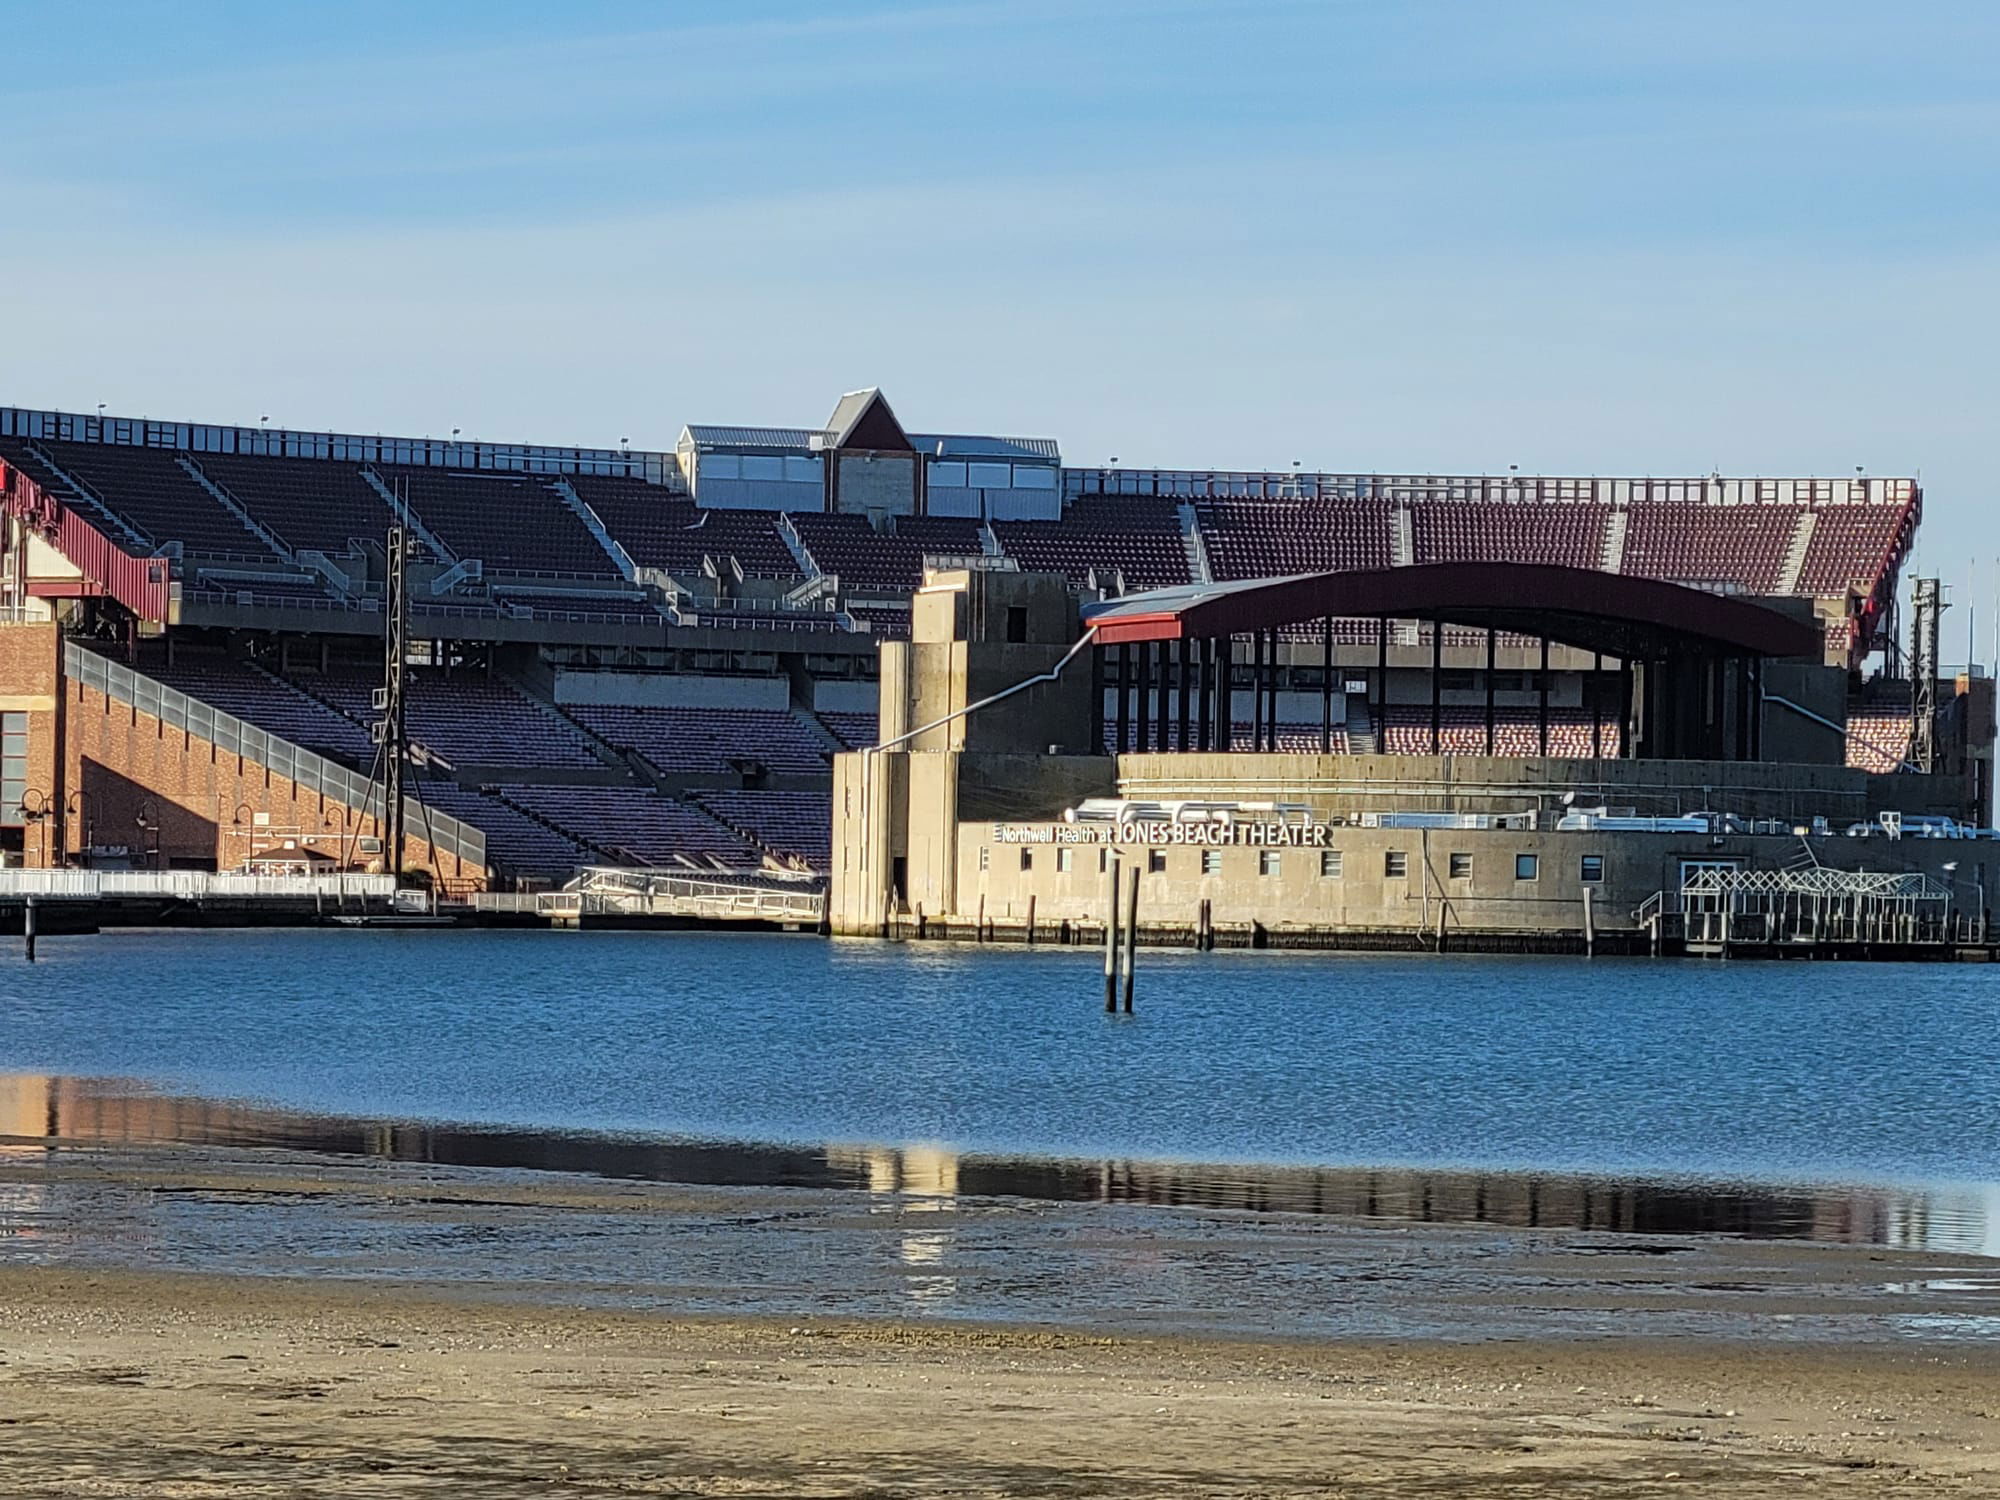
(130, 1382)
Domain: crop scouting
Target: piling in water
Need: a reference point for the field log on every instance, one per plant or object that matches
(1111, 934)
(1131, 934)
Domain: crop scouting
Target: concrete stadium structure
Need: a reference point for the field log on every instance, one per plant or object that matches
(649, 659)
(966, 821)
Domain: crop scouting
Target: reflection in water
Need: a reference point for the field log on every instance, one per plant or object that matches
(1949, 1218)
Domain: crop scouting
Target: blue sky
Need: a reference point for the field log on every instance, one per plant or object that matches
(1431, 236)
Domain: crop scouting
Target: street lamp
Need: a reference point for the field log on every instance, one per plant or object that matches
(35, 810)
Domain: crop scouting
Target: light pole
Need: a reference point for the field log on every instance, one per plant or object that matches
(35, 810)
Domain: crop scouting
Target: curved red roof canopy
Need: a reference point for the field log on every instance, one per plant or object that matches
(1634, 618)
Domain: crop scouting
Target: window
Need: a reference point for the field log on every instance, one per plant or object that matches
(1592, 869)
(1211, 861)
(1329, 864)
(948, 476)
(1267, 862)
(763, 466)
(1063, 860)
(985, 858)
(1461, 867)
(1034, 477)
(989, 476)
(1156, 861)
(1526, 866)
(1027, 859)
(1395, 865)
(1017, 624)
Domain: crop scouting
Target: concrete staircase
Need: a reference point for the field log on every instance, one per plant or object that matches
(1402, 539)
(1361, 737)
(409, 517)
(826, 738)
(1795, 555)
(227, 501)
(580, 508)
(797, 546)
(1197, 549)
(1612, 558)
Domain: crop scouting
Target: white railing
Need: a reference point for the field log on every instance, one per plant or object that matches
(615, 892)
(191, 885)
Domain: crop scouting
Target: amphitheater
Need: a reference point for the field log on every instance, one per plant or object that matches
(650, 659)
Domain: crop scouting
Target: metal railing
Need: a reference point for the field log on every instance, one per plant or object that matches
(606, 891)
(313, 773)
(190, 885)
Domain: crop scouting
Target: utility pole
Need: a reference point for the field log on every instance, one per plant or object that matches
(1927, 600)
(389, 729)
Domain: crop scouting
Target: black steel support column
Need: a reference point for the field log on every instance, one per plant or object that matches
(1326, 686)
(1628, 732)
(1756, 708)
(1437, 686)
(1713, 743)
(1145, 696)
(1124, 741)
(1257, 670)
(1204, 661)
(1271, 693)
(1381, 716)
(1543, 712)
(1225, 697)
(1097, 700)
(1185, 668)
(1597, 707)
(1492, 637)
(1742, 708)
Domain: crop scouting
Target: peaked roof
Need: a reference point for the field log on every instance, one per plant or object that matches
(863, 420)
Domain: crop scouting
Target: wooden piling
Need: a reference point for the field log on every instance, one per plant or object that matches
(1131, 934)
(1111, 935)
(1031, 920)
(28, 930)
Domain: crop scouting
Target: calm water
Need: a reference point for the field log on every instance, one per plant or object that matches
(1772, 1072)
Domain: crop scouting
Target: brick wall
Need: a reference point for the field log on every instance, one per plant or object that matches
(30, 666)
(177, 799)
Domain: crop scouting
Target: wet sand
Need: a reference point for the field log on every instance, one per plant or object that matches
(118, 1383)
(192, 1322)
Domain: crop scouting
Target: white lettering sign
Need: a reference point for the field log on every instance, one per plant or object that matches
(1156, 832)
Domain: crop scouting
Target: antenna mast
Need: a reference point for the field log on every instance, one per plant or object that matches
(1927, 600)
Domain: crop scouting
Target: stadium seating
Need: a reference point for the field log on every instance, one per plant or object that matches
(792, 827)
(519, 845)
(706, 741)
(884, 621)
(258, 698)
(634, 826)
(1108, 537)
(149, 489)
(1878, 740)
(1570, 536)
(1740, 547)
(306, 503)
(467, 720)
(856, 731)
(1275, 538)
(1516, 732)
(1851, 547)
(514, 523)
(881, 563)
(1293, 738)
(659, 528)
(545, 604)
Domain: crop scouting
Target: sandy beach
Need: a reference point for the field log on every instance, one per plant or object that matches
(195, 1322)
(118, 1383)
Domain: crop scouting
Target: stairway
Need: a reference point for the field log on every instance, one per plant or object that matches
(826, 738)
(580, 508)
(1795, 555)
(797, 544)
(1197, 549)
(408, 516)
(1612, 558)
(1361, 738)
(1403, 540)
(227, 501)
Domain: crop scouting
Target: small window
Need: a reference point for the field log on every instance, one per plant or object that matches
(1017, 624)
(1526, 866)
(1063, 860)
(1461, 867)
(1027, 859)
(1103, 860)
(1211, 861)
(1156, 861)
(1395, 865)
(1267, 862)
(985, 858)
(1329, 864)
(1592, 869)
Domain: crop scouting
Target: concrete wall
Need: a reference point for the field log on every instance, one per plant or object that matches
(1354, 889)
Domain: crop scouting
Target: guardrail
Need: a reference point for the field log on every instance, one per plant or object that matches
(626, 893)
(296, 764)
(189, 885)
